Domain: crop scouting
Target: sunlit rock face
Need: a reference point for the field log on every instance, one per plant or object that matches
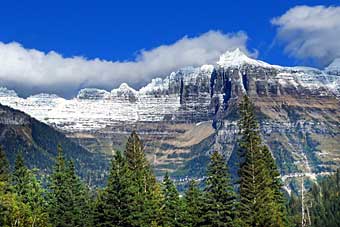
(194, 110)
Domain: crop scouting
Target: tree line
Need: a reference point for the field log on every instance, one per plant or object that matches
(133, 198)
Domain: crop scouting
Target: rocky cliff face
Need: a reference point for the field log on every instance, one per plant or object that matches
(193, 111)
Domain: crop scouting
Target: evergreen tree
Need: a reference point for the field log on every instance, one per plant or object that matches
(22, 204)
(220, 198)
(6, 197)
(115, 203)
(21, 178)
(13, 212)
(193, 205)
(294, 210)
(154, 199)
(4, 166)
(146, 193)
(134, 153)
(29, 191)
(278, 207)
(173, 207)
(79, 201)
(4, 174)
(36, 202)
(260, 200)
(69, 200)
(253, 191)
(60, 201)
(325, 201)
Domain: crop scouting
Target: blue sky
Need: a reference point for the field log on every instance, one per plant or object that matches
(118, 30)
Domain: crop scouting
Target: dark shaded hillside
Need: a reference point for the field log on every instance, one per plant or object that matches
(38, 144)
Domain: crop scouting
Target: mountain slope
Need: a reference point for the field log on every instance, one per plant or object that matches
(38, 142)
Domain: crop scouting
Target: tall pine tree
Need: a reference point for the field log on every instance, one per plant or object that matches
(115, 203)
(146, 193)
(260, 200)
(220, 198)
(13, 211)
(173, 206)
(79, 199)
(279, 210)
(193, 199)
(30, 192)
(59, 193)
(68, 198)
(21, 178)
(37, 203)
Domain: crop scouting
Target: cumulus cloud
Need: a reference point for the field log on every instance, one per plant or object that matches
(33, 71)
(310, 33)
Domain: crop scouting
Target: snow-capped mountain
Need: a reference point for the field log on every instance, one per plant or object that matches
(163, 98)
(237, 58)
(194, 110)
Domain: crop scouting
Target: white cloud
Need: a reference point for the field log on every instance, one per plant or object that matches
(311, 33)
(32, 71)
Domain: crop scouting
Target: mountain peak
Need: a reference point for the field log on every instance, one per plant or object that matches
(125, 91)
(237, 52)
(123, 88)
(126, 87)
(238, 58)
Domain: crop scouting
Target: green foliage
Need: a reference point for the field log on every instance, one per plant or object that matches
(146, 190)
(21, 178)
(220, 199)
(23, 203)
(80, 200)
(13, 212)
(193, 201)
(134, 153)
(132, 197)
(261, 201)
(322, 201)
(278, 204)
(4, 166)
(58, 192)
(115, 204)
(69, 203)
(29, 191)
(325, 200)
(294, 210)
(173, 206)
